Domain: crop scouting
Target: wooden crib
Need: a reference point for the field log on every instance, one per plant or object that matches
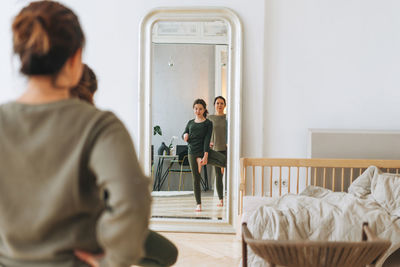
(265, 174)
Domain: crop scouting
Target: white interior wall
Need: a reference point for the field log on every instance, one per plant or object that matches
(112, 31)
(329, 64)
(306, 64)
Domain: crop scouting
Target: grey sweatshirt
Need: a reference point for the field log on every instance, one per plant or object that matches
(69, 179)
(219, 132)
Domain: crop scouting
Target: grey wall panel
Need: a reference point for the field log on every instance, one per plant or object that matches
(354, 144)
(350, 144)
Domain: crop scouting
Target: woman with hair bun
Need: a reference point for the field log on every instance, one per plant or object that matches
(198, 134)
(70, 185)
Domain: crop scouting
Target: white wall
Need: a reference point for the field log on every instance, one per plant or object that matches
(112, 31)
(307, 64)
(329, 64)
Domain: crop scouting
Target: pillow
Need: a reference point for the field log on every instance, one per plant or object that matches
(361, 186)
(385, 188)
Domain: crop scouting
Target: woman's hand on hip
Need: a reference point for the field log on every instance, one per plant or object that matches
(91, 259)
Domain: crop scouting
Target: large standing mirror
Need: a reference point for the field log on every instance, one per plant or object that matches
(188, 54)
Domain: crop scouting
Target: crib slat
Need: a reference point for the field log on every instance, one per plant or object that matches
(270, 181)
(360, 171)
(315, 176)
(288, 180)
(342, 185)
(254, 180)
(306, 176)
(333, 179)
(262, 181)
(245, 179)
(280, 180)
(243, 193)
(351, 175)
(324, 184)
(298, 176)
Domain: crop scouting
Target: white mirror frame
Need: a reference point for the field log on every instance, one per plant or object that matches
(202, 14)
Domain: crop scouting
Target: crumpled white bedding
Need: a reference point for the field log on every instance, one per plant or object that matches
(320, 214)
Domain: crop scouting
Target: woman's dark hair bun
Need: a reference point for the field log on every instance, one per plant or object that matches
(87, 86)
(45, 35)
(29, 33)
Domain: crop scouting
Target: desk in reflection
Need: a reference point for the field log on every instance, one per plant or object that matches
(161, 173)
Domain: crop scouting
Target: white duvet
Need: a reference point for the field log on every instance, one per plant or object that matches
(320, 214)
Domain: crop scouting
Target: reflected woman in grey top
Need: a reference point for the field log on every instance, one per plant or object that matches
(70, 179)
(218, 142)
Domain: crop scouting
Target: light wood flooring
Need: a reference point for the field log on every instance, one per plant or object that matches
(184, 207)
(206, 250)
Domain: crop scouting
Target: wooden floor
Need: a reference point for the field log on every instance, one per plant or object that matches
(198, 249)
(206, 250)
(184, 207)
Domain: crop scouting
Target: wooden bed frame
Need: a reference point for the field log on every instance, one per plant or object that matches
(285, 173)
(263, 175)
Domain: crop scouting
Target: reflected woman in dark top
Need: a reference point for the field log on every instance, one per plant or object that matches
(198, 134)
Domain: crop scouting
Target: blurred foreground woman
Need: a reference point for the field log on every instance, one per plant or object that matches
(70, 182)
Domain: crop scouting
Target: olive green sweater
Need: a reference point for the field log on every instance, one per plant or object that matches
(199, 136)
(69, 179)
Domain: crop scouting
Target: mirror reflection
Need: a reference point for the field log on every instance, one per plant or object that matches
(188, 146)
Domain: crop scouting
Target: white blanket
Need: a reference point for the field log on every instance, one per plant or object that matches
(320, 214)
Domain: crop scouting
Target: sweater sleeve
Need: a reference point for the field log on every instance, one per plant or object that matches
(123, 226)
(208, 136)
(186, 129)
(212, 140)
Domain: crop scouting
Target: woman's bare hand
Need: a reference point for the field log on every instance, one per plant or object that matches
(186, 137)
(91, 259)
(211, 144)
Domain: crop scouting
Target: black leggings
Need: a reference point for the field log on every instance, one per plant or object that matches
(218, 179)
(159, 251)
(214, 158)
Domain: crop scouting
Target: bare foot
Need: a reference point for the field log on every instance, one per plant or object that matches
(199, 165)
(198, 208)
(221, 203)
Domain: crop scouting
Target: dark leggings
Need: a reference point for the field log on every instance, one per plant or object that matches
(214, 158)
(218, 179)
(159, 251)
